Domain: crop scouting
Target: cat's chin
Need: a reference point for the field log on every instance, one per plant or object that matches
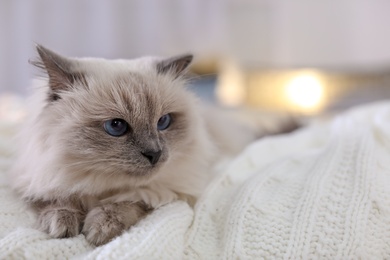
(147, 172)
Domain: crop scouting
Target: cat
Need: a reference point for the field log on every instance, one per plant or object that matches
(108, 141)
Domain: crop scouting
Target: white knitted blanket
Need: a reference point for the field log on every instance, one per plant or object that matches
(321, 192)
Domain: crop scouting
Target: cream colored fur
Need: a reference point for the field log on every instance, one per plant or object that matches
(65, 154)
(41, 172)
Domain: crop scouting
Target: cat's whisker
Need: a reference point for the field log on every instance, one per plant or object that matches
(202, 75)
(114, 161)
(192, 78)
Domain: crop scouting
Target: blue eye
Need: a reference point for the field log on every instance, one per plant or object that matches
(116, 127)
(164, 122)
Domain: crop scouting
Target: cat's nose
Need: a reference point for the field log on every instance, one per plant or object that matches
(152, 156)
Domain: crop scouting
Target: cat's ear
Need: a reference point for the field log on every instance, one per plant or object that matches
(177, 65)
(60, 70)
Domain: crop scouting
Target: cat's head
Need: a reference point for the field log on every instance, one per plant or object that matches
(117, 117)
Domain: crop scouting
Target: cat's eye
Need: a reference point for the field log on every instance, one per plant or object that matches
(164, 122)
(116, 127)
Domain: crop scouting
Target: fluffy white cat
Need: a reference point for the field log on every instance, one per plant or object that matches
(110, 140)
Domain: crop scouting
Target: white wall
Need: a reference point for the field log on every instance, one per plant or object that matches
(274, 33)
(333, 33)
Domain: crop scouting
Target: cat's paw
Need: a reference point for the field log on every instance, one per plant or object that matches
(102, 225)
(108, 221)
(60, 222)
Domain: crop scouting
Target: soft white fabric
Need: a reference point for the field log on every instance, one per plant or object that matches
(321, 192)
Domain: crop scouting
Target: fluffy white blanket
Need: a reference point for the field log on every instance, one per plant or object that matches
(321, 192)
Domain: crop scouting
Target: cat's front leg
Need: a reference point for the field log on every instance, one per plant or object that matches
(60, 219)
(105, 222)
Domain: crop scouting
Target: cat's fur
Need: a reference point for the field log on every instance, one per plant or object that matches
(80, 179)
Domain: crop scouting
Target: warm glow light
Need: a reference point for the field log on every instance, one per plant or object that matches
(305, 90)
(230, 88)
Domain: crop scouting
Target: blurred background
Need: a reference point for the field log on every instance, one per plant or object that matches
(308, 57)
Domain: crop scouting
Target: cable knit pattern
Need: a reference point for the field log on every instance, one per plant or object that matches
(320, 193)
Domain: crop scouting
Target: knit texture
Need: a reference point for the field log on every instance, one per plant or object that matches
(322, 192)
